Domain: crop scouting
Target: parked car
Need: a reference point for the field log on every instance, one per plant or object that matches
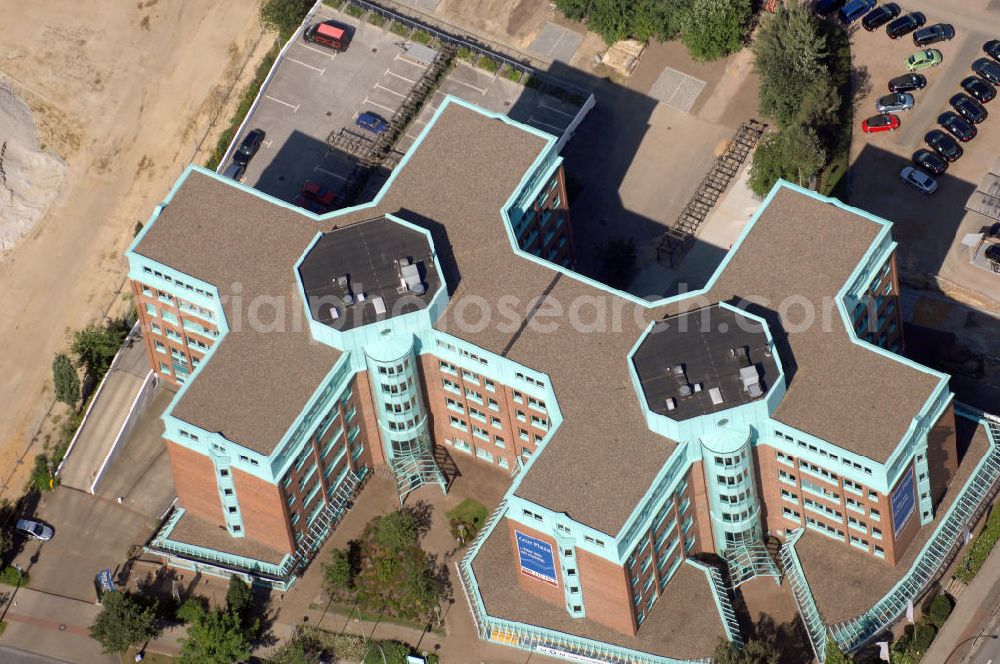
(894, 103)
(982, 91)
(987, 69)
(35, 529)
(943, 144)
(992, 48)
(904, 25)
(933, 34)
(918, 179)
(373, 122)
(929, 161)
(235, 171)
(331, 34)
(827, 7)
(992, 254)
(907, 83)
(930, 57)
(959, 127)
(248, 148)
(968, 108)
(879, 16)
(315, 198)
(854, 10)
(882, 122)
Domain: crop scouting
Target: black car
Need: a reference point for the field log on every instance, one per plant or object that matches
(943, 144)
(904, 25)
(959, 128)
(968, 108)
(248, 148)
(907, 83)
(929, 161)
(933, 34)
(992, 48)
(987, 69)
(993, 254)
(981, 90)
(879, 16)
(826, 7)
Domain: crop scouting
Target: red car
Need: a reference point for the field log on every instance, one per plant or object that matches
(315, 198)
(883, 122)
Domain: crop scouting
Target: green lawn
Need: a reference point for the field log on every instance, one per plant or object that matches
(470, 513)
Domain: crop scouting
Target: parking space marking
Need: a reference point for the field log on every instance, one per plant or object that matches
(290, 58)
(392, 73)
(480, 90)
(375, 103)
(390, 90)
(294, 107)
(266, 144)
(411, 62)
(542, 104)
(336, 175)
(316, 50)
(533, 119)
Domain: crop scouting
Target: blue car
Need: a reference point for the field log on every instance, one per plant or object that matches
(373, 122)
(855, 9)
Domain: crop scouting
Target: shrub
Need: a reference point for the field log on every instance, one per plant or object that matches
(376, 19)
(980, 548)
(66, 380)
(464, 53)
(11, 577)
(533, 82)
(510, 73)
(923, 634)
(336, 4)
(713, 29)
(399, 29)
(939, 610)
(354, 10)
(421, 37)
(283, 16)
(489, 64)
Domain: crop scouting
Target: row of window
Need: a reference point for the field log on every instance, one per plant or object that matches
(178, 282)
(820, 451)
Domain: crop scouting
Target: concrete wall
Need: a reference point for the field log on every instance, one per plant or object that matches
(195, 483)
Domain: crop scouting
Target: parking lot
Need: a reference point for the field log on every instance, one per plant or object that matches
(929, 229)
(316, 91)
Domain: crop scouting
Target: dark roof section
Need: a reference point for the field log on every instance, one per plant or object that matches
(703, 351)
(368, 257)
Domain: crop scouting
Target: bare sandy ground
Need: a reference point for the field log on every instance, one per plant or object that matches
(125, 93)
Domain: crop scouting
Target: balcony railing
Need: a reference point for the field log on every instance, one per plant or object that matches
(815, 629)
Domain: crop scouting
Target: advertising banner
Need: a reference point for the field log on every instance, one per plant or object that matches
(536, 558)
(903, 499)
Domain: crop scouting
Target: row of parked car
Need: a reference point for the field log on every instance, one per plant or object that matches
(959, 124)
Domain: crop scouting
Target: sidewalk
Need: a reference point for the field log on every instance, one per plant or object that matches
(52, 625)
(973, 613)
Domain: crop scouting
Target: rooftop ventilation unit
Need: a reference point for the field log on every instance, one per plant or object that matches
(716, 395)
(685, 391)
(677, 371)
(410, 276)
(751, 381)
(344, 283)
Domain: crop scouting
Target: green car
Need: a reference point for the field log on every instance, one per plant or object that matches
(924, 59)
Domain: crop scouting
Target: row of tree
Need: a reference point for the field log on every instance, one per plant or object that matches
(92, 350)
(711, 29)
(215, 636)
(802, 71)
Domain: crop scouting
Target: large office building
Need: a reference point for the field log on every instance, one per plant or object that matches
(661, 454)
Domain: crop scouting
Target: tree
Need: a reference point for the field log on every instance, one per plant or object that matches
(615, 20)
(834, 655)
(713, 29)
(396, 530)
(217, 637)
(66, 380)
(337, 574)
(658, 19)
(239, 599)
(123, 622)
(95, 346)
(793, 154)
(754, 652)
(283, 16)
(937, 613)
(791, 52)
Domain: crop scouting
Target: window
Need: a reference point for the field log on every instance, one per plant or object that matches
(224, 472)
(489, 385)
(499, 442)
(494, 405)
(495, 421)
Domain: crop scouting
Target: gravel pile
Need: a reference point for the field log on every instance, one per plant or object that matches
(30, 179)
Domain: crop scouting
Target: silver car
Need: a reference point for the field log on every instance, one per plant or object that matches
(894, 103)
(918, 179)
(35, 529)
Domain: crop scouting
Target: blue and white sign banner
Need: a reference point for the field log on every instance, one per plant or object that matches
(105, 582)
(536, 558)
(903, 500)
